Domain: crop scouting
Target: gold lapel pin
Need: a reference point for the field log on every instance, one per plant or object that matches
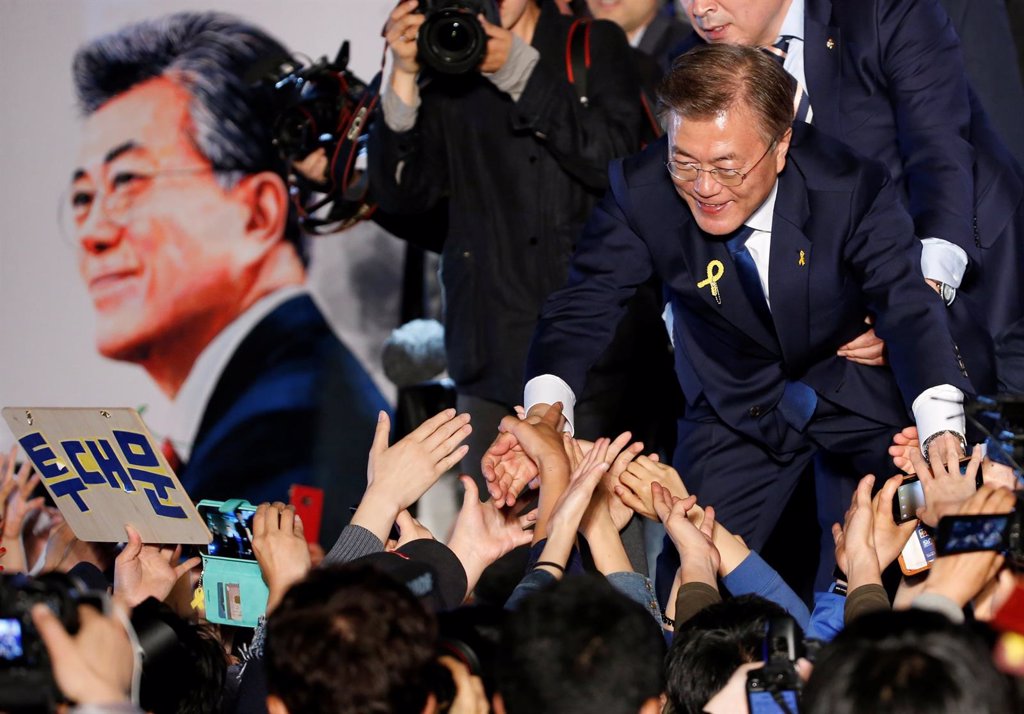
(803, 259)
(715, 272)
(830, 43)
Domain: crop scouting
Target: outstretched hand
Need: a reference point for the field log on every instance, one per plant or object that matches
(699, 558)
(855, 552)
(525, 449)
(945, 488)
(484, 532)
(142, 571)
(409, 468)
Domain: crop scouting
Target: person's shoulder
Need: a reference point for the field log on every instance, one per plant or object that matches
(646, 166)
(828, 164)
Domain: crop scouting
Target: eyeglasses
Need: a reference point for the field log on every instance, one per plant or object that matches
(683, 171)
(120, 195)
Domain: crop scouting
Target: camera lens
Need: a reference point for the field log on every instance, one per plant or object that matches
(454, 37)
(451, 41)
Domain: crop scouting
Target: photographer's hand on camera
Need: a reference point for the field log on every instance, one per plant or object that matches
(499, 46)
(401, 32)
(95, 665)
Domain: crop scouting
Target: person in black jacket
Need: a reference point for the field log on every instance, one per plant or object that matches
(521, 157)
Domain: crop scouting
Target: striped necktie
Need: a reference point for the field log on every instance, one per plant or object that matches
(801, 102)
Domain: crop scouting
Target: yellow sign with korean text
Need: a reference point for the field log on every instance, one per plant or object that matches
(103, 470)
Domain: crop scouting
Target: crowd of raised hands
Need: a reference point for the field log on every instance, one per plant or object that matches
(568, 500)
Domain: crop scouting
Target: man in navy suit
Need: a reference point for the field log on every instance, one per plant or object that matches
(773, 243)
(192, 255)
(887, 77)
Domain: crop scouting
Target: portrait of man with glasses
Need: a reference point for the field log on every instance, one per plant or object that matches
(774, 242)
(191, 253)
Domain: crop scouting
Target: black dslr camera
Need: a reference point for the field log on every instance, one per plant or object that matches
(26, 680)
(451, 39)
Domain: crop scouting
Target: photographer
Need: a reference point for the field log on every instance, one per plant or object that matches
(521, 158)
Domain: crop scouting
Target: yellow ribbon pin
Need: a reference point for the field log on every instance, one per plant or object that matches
(803, 260)
(715, 272)
(197, 600)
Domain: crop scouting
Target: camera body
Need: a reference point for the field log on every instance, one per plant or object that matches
(26, 680)
(775, 687)
(451, 40)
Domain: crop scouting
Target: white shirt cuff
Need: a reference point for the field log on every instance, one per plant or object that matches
(943, 261)
(938, 409)
(548, 389)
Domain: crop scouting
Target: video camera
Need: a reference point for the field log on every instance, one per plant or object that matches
(322, 106)
(26, 680)
(451, 39)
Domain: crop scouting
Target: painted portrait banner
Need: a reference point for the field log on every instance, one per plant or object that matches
(103, 470)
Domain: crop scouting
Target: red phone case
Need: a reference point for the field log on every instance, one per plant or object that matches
(309, 506)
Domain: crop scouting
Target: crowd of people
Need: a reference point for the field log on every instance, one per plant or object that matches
(799, 207)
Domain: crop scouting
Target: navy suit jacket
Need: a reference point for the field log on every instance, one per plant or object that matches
(842, 246)
(291, 395)
(887, 77)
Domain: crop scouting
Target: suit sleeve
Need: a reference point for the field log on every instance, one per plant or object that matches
(910, 317)
(927, 85)
(578, 321)
(583, 139)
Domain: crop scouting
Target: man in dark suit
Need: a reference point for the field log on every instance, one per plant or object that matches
(194, 261)
(773, 244)
(887, 77)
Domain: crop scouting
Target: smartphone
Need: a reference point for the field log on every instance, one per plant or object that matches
(231, 531)
(910, 495)
(774, 688)
(967, 534)
(919, 552)
(309, 506)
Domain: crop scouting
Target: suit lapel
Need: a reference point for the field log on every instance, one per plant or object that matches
(823, 53)
(789, 267)
(700, 252)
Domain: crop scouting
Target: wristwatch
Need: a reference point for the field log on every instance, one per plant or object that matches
(946, 292)
(928, 441)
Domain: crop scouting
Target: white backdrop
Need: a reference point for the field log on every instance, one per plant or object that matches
(47, 353)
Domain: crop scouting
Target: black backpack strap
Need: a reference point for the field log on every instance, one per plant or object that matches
(577, 57)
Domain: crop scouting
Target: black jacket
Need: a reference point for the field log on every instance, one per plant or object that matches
(520, 178)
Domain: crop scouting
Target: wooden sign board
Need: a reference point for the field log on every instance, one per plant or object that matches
(103, 470)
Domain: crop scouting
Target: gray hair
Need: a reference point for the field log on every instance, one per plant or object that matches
(218, 59)
(713, 78)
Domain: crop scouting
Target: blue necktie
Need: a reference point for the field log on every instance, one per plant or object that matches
(798, 400)
(747, 272)
(801, 102)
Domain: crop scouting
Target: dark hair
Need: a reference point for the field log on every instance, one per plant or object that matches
(713, 78)
(710, 646)
(184, 653)
(350, 639)
(217, 59)
(580, 647)
(903, 662)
